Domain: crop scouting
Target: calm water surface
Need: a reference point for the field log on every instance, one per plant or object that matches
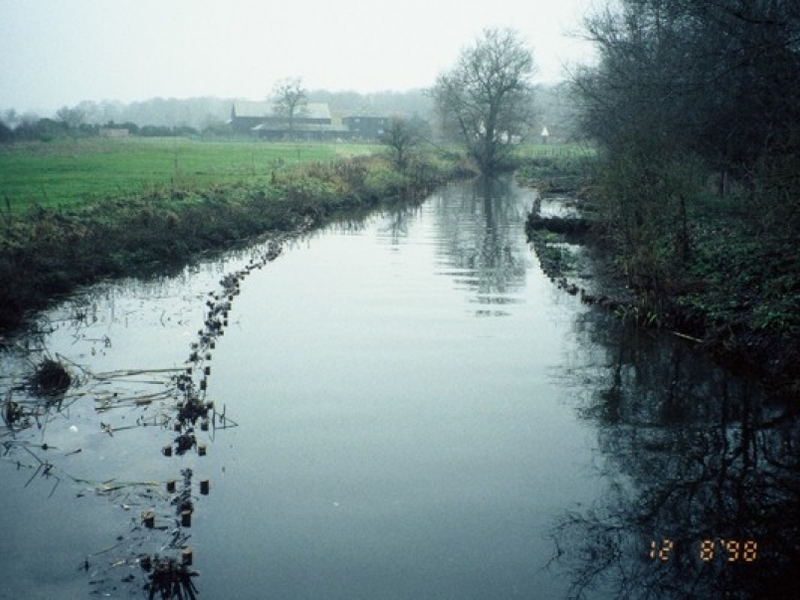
(412, 410)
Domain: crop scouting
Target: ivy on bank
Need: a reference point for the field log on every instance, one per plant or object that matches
(681, 259)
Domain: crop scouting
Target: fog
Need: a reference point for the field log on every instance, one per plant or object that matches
(61, 53)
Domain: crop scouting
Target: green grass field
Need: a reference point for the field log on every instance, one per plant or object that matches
(72, 172)
(76, 211)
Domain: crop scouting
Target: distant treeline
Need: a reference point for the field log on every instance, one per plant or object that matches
(200, 114)
(208, 116)
(47, 129)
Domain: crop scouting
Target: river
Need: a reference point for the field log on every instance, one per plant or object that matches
(404, 406)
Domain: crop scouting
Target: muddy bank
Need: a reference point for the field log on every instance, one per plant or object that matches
(571, 251)
(561, 236)
(48, 253)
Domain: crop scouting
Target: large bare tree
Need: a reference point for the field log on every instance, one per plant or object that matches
(487, 99)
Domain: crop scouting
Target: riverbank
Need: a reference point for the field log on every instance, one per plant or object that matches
(47, 252)
(736, 294)
(340, 361)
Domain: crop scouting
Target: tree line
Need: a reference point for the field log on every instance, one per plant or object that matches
(186, 115)
(47, 129)
(695, 110)
(695, 93)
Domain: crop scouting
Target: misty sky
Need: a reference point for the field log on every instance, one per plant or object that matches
(56, 53)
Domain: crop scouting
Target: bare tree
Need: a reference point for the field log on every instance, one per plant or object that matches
(487, 98)
(289, 99)
(401, 137)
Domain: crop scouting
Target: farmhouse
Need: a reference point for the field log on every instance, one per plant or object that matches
(312, 121)
(246, 115)
(366, 127)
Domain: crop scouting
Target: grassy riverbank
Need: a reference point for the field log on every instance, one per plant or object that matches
(110, 208)
(705, 268)
(68, 172)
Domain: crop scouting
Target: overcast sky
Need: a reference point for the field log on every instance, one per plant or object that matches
(57, 53)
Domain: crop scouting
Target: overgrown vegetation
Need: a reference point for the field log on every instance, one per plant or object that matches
(48, 250)
(702, 266)
(694, 108)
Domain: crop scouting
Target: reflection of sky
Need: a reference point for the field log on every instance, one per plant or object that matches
(388, 439)
(407, 445)
(552, 207)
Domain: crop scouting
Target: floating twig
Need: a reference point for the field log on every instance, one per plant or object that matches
(130, 372)
(46, 469)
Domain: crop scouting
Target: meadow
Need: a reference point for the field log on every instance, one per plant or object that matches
(77, 210)
(74, 211)
(66, 173)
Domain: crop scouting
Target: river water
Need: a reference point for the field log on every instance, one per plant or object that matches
(403, 407)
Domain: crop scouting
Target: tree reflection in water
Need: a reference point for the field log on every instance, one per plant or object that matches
(480, 240)
(705, 471)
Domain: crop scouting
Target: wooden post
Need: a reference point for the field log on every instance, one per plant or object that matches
(149, 519)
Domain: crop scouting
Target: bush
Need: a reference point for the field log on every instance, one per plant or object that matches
(385, 182)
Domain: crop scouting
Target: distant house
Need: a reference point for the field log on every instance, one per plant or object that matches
(245, 115)
(366, 127)
(312, 121)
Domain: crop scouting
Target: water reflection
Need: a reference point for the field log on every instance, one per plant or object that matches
(392, 444)
(479, 242)
(704, 494)
(121, 346)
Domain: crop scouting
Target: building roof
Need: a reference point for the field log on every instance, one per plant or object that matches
(249, 108)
